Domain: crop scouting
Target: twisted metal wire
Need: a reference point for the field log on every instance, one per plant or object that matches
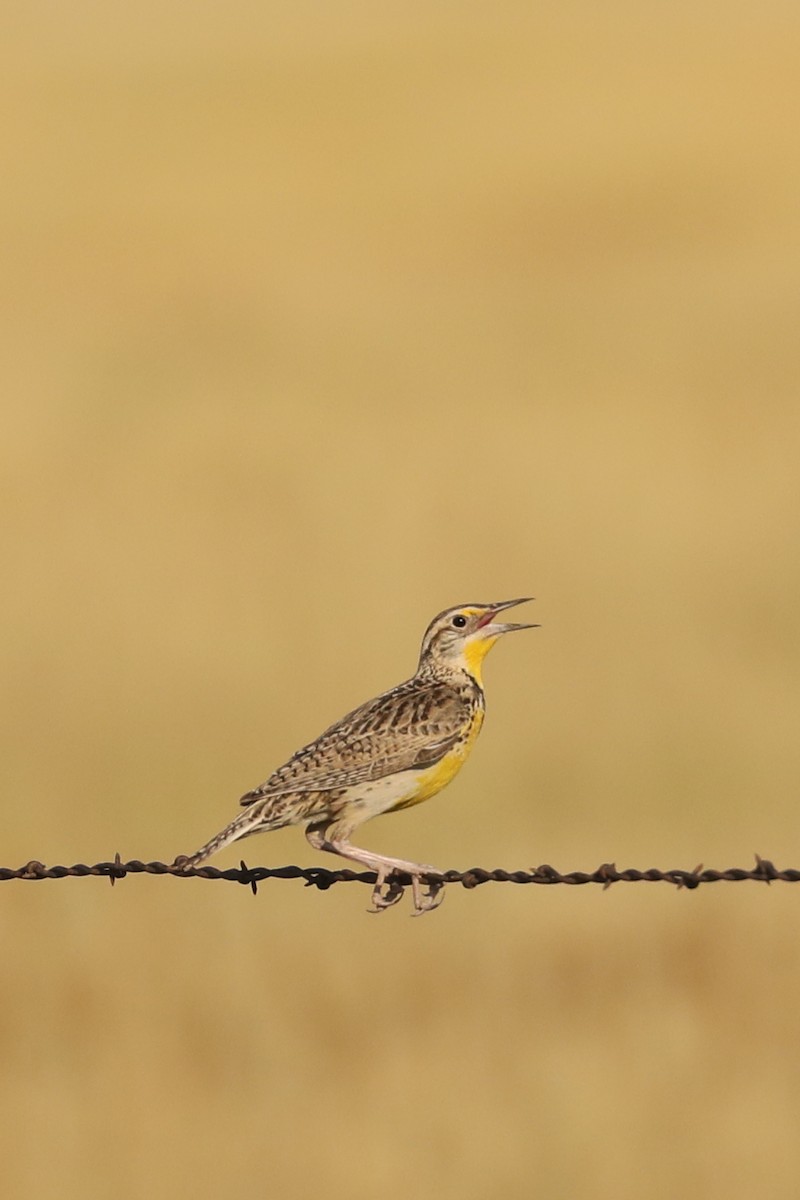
(323, 878)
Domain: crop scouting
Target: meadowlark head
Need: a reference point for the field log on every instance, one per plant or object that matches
(460, 638)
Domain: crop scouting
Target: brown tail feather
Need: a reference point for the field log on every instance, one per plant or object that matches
(242, 826)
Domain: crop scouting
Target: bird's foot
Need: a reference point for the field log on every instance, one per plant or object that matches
(429, 896)
(427, 888)
(386, 893)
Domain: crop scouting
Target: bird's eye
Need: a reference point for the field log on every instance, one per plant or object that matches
(459, 621)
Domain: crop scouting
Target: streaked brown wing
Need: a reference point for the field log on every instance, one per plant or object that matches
(414, 725)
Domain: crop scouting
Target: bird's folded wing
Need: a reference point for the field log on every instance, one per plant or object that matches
(406, 728)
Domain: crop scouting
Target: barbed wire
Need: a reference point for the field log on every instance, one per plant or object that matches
(323, 878)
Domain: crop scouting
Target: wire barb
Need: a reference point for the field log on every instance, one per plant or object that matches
(323, 878)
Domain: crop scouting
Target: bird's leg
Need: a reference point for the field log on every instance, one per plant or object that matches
(384, 894)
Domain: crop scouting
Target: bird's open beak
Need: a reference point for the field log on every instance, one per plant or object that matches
(488, 627)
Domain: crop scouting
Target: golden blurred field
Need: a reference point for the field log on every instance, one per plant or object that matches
(318, 319)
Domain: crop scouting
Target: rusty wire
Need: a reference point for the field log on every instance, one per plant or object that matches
(764, 871)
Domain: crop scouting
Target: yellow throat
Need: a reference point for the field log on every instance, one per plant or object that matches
(474, 654)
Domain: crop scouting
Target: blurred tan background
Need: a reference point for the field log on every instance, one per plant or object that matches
(317, 319)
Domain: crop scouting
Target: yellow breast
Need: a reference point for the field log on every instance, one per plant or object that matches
(433, 779)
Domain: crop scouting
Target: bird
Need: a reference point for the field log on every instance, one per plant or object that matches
(390, 753)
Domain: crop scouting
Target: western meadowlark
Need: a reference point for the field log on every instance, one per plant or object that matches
(392, 752)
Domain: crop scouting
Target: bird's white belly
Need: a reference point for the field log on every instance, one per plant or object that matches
(378, 796)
